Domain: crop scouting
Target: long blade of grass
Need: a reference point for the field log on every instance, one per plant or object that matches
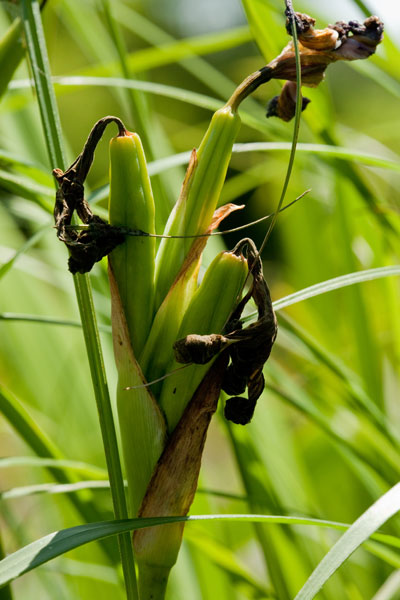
(90, 471)
(45, 320)
(37, 440)
(70, 465)
(27, 188)
(52, 488)
(55, 544)
(347, 154)
(200, 100)
(37, 53)
(376, 515)
(323, 149)
(6, 593)
(336, 283)
(310, 292)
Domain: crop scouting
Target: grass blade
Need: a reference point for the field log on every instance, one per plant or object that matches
(37, 53)
(55, 544)
(37, 440)
(336, 283)
(376, 515)
(68, 465)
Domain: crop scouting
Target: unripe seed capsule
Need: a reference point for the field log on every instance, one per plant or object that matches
(199, 197)
(132, 206)
(207, 313)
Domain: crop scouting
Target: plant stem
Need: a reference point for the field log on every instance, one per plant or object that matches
(37, 53)
(248, 86)
(295, 129)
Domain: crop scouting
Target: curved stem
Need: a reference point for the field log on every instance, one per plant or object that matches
(248, 86)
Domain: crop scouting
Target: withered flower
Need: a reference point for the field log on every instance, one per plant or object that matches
(249, 348)
(318, 48)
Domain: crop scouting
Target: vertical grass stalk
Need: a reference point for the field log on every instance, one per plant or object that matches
(38, 58)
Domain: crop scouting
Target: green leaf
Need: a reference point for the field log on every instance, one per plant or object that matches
(39, 62)
(336, 283)
(55, 544)
(375, 516)
(62, 464)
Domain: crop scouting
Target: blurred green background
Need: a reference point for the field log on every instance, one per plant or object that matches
(325, 439)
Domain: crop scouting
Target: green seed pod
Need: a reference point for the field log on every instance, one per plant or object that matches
(199, 196)
(132, 206)
(207, 313)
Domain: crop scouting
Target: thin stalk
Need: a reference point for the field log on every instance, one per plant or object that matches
(295, 129)
(250, 84)
(38, 58)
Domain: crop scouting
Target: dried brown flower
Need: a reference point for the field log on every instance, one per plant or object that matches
(319, 48)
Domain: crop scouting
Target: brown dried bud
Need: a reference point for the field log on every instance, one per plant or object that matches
(316, 39)
(239, 410)
(284, 105)
(199, 349)
(234, 382)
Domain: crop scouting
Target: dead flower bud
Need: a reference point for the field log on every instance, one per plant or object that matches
(318, 48)
(97, 238)
(284, 105)
(199, 349)
(248, 348)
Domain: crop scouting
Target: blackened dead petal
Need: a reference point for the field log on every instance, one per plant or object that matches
(97, 240)
(92, 245)
(248, 348)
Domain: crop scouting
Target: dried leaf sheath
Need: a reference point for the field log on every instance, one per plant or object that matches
(173, 485)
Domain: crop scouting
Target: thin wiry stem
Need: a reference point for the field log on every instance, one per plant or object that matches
(37, 53)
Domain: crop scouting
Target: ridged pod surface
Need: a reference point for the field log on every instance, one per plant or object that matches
(207, 313)
(132, 206)
(199, 197)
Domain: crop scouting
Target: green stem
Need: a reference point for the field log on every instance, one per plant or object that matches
(295, 134)
(37, 53)
(248, 86)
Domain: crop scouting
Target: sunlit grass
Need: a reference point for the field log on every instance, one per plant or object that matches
(324, 441)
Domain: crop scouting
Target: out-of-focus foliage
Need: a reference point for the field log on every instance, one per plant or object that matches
(324, 441)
